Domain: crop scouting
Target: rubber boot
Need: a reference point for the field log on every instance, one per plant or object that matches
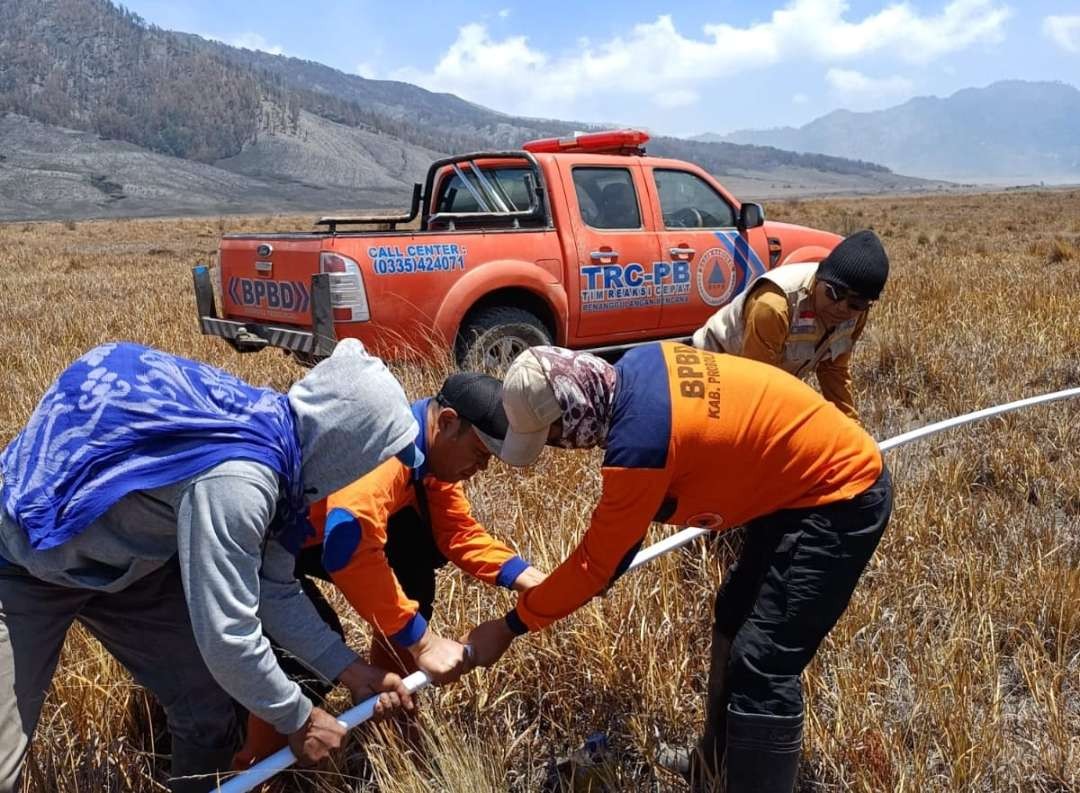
(762, 752)
(701, 766)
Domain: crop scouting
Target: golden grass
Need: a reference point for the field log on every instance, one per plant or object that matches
(957, 666)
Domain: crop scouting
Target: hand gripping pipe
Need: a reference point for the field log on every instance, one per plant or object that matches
(357, 715)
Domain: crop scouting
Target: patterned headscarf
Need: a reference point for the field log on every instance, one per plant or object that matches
(124, 417)
(584, 386)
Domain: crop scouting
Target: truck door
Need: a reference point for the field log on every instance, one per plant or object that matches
(616, 249)
(711, 260)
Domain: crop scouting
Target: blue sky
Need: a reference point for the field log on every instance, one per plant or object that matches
(675, 68)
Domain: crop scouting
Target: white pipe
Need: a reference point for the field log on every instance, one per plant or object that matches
(967, 418)
(283, 758)
(357, 715)
(687, 535)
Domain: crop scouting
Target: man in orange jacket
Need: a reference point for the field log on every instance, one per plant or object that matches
(715, 441)
(381, 539)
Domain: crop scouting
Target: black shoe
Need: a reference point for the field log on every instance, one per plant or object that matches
(691, 765)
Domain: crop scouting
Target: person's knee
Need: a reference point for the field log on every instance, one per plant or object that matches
(204, 717)
(731, 607)
(762, 677)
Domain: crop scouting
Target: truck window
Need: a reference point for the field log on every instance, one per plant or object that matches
(509, 182)
(606, 198)
(689, 202)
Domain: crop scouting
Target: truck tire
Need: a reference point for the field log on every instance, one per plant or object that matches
(492, 338)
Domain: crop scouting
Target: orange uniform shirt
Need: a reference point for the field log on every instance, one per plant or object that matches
(702, 439)
(352, 523)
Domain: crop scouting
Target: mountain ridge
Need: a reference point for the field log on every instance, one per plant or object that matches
(288, 124)
(1010, 129)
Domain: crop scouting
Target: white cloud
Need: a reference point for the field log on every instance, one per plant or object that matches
(504, 13)
(248, 41)
(680, 97)
(850, 83)
(800, 99)
(657, 61)
(1063, 31)
(366, 70)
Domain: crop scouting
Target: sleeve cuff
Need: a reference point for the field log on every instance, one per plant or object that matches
(509, 572)
(411, 633)
(296, 717)
(513, 621)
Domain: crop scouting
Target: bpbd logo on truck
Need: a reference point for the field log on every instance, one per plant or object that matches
(278, 295)
(609, 287)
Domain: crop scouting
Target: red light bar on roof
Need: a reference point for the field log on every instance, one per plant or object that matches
(614, 141)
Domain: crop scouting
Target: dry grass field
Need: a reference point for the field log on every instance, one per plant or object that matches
(957, 666)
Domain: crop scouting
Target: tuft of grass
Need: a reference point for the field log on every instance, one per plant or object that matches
(1060, 251)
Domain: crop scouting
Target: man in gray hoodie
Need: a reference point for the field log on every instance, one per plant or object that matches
(177, 580)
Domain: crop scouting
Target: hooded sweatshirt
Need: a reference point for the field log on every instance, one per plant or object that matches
(351, 415)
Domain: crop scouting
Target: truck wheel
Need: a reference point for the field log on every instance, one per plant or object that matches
(492, 338)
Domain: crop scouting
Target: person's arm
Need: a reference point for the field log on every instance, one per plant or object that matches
(766, 320)
(222, 518)
(834, 376)
(628, 503)
(354, 552)
(291, 618)
(466, 543)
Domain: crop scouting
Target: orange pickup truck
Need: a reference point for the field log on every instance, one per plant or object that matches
(585, 242)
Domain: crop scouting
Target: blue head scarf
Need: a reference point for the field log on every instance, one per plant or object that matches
(124, 417)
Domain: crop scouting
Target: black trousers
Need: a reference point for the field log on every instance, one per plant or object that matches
(791, 582)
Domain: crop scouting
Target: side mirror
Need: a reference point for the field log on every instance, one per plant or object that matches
(751, 216)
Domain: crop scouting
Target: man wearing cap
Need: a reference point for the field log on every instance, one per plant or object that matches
(806, 317)
(381, 539)
(715, 441)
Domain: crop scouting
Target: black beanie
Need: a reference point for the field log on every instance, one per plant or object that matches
(858, 263)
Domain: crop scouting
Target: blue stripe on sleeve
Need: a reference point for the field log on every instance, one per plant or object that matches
(411, 633)
(510, 570)
(341, 538)
(513, 621)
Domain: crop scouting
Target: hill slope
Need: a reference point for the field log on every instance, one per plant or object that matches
(53, 172)
(1011, 130)
(308, 135)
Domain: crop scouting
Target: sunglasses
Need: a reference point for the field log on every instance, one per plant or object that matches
(855, 301)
